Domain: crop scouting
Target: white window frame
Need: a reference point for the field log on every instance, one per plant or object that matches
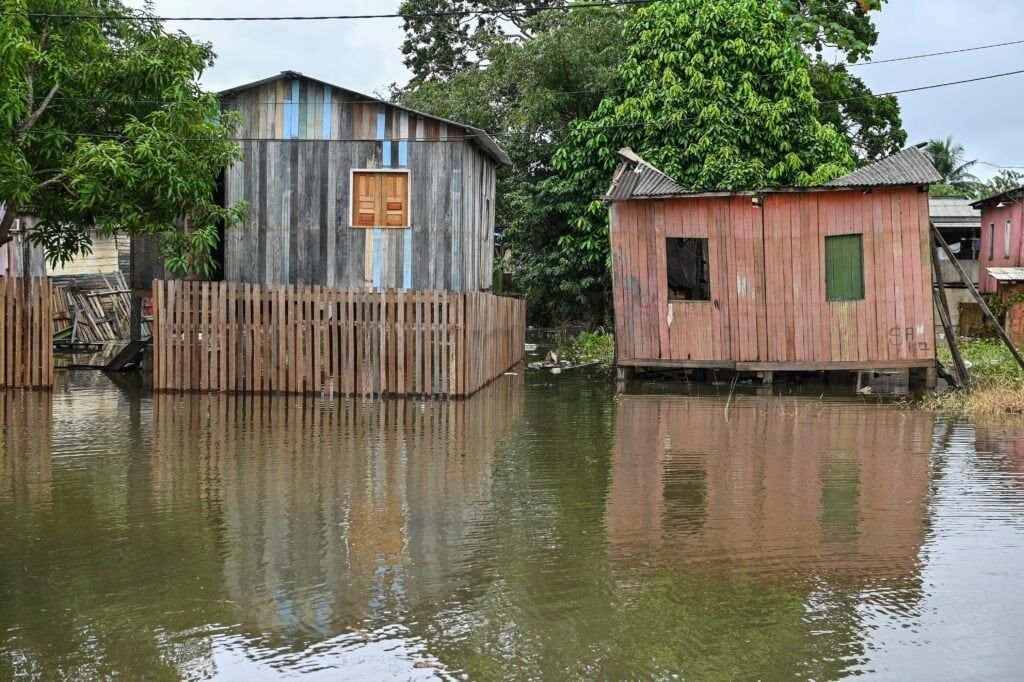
(1007, 235)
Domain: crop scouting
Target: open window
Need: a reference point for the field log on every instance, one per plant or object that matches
(689, 274)
(380, 198)
(844, 267)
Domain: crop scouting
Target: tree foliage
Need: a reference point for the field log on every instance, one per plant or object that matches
(528, 76)
(104, 126)
(950, 160)
(715, 93)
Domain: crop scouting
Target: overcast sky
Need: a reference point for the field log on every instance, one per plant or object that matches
(366, 56)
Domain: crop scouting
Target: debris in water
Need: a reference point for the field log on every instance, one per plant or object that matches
(429, 664)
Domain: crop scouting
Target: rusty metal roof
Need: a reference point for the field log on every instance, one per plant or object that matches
(637, 179)
(1007, 274)
(908, 167)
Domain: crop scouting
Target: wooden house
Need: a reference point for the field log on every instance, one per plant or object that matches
(1002, 235)
(836, 277)
(347, 190)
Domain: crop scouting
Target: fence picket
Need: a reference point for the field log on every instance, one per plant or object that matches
(301, 339)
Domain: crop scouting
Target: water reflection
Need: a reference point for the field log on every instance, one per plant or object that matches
(332, 516)
(538, 530)
(770, 486)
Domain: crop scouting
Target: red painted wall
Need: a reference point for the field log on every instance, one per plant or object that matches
(768, 283)
(997, 217)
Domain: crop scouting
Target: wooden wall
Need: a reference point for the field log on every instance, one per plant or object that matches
(301, 141)
(768, 304)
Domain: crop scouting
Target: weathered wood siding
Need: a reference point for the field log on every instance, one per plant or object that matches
(301, 142)
(727, 328)
(768, 304)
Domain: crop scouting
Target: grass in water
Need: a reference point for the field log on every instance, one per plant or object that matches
(595, 346)
(998, 390)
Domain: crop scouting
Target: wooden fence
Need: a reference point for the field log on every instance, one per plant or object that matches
(246, 338)
(26, 334)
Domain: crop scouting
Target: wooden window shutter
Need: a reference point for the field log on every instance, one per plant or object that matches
(844, 267)
(395, 189)
(365, 191)
(380, 199)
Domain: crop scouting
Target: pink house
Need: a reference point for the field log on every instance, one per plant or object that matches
(1002, 235)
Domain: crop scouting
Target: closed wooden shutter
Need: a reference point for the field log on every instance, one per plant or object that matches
(396, 199)
(844, 267)
(366, 190)
(380, 199)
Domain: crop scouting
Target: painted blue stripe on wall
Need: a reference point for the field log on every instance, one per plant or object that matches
(327, 112)
(294, 129)
(403, 154)
(378, 257)
(407, 260)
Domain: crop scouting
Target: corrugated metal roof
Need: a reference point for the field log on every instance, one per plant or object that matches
(481, 137)
(637, 179)
(953, 209)
(1007, 274)
(1012, 195)
(908, 167)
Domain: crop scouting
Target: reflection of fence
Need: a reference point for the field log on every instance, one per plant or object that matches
(26, 335)
(251, 339)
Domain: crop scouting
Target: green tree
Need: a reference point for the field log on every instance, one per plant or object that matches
(530, 90)
(103, 125)
(950, 160)
(717, 94)
(1005, 180)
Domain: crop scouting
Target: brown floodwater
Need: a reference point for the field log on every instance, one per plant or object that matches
(546, 528)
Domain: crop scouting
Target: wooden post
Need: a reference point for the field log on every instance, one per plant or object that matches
(959, 367)
(977, 297)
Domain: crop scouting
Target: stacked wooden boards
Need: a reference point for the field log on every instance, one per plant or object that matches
(26, 335)
(246, 338)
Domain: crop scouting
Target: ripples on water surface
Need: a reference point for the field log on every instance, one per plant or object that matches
(544, 530)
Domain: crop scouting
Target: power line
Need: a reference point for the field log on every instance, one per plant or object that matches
(938, 54)
(560, 92)
(656, 122)
(348, 17)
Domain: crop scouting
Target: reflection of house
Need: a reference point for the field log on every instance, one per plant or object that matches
(333, 510)
(836, 277)
(774, 487)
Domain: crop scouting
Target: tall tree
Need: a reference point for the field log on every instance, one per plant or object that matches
(103, 125)
(714, 92)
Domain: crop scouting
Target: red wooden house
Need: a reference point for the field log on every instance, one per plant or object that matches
(836, 277)
(1002, 236)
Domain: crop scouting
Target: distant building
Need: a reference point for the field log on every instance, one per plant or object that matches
(959, 223)
(1002, 228)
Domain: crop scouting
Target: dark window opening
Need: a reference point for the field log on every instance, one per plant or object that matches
(844, 268)
(689, 275)
(991, 241)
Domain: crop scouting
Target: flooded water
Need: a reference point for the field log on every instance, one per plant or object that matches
(546, 528)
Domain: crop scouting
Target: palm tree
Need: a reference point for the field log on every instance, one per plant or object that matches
(948, 158)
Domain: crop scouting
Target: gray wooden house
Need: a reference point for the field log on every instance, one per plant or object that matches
(348, 190)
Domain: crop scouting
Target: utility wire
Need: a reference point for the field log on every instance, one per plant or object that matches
(655, 122)
(350, 17)
(560, 92)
